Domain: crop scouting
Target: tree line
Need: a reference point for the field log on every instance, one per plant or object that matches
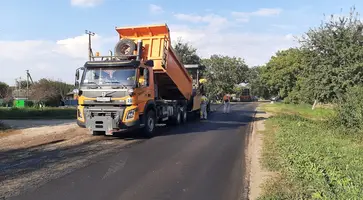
(45, 91)
(325, 66)
(223, 73)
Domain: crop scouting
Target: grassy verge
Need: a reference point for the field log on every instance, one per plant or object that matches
(301, 110)
(33, 113)
(314, 160)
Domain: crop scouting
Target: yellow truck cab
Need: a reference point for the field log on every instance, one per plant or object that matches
(143, 84)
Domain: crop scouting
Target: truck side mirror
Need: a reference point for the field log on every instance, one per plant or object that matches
(149, 63)
(76, 82)
(77, 74)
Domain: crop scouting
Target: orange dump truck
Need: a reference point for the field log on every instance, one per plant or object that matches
(142, 84)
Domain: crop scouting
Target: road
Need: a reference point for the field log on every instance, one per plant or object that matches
(201, 160)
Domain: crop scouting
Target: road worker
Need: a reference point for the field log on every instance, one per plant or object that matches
(226, 101)
(203, 106)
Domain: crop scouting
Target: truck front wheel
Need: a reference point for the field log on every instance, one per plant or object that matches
(149, 127)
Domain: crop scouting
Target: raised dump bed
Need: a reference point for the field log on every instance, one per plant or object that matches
(172, 79)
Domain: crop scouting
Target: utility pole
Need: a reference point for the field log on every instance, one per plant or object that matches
(27, 84)
(90, 34)
(19, 86)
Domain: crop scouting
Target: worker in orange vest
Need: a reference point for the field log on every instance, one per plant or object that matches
(226, 101)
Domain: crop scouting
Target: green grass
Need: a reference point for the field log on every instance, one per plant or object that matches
(34, 113)
(301, 110)
(314, 159)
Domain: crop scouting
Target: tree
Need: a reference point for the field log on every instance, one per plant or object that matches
(22, 84)
(335, 58)
(62, 89)
(4, 90)
(282, 71)
(50, 92)
(223, 73)
(258, 85)
(186, 52)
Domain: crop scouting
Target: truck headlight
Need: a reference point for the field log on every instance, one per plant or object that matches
(131, 114)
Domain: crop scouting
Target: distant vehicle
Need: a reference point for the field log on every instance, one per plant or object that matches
(276, 98)
(246, 95)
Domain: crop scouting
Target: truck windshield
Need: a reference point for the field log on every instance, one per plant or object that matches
(109, 76)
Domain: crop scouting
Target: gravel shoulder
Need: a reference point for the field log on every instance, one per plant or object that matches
(257, 174)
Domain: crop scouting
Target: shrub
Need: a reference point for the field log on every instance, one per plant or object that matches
(349, 112)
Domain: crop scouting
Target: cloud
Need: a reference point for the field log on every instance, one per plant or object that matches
(255, 48)
(262, 12)
(214, 35)
(48, 59)
(155, 9)
(220, 36)
(86, 3)
(212, 20)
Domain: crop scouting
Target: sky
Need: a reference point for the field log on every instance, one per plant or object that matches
(47, 37)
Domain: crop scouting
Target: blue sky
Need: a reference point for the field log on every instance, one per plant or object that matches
(253, 30)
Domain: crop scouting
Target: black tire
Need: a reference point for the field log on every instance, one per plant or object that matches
(150, 122)
(122, 46)
(184, 115)
(80, 124)
(178, 118)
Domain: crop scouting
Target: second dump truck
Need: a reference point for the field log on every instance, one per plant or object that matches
(142, 84)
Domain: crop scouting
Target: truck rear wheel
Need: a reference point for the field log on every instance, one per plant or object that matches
(178, 118)
(184, 115)
(149, 128)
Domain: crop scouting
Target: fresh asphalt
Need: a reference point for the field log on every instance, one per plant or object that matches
(199, 160)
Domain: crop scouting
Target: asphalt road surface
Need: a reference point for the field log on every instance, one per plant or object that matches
(199, 160)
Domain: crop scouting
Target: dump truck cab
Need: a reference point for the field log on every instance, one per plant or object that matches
(143, 84)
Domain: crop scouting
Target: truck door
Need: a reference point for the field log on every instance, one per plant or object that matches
(144, 91)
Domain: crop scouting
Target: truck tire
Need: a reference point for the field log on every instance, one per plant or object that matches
(125, 47)
(150, 122)
(80, 124)
(184, 115)
(177, 119)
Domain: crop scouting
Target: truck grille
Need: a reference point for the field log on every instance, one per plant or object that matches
(110, 93)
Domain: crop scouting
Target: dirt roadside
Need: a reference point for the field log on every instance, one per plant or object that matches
(257, 175)
(33, 156)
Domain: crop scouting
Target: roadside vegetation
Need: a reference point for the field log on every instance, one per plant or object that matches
(36, 113)
(313, 158)
(316, 151)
